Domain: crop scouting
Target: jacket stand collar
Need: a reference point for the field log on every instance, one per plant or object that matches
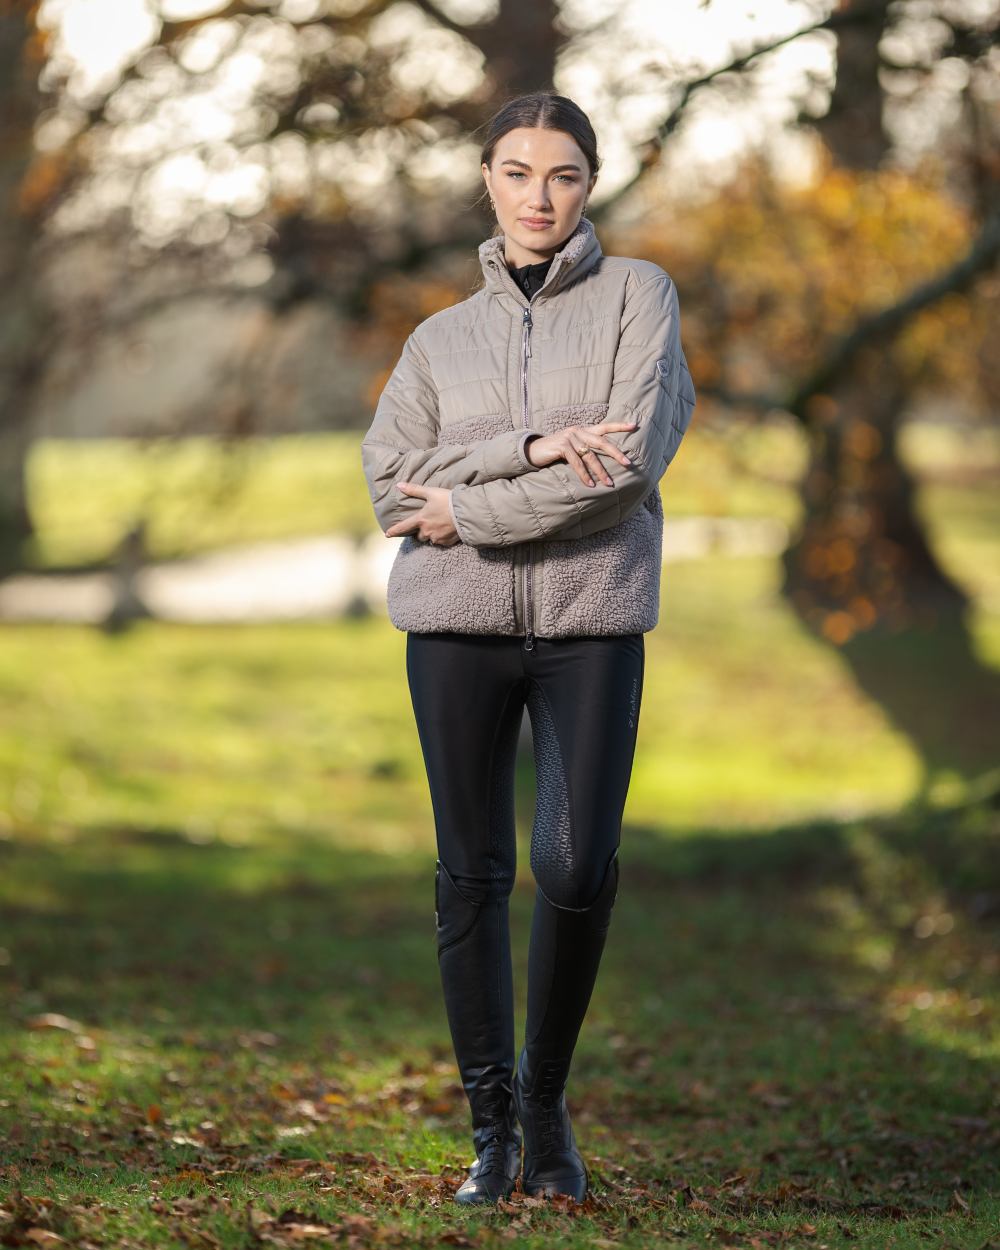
(580, 252)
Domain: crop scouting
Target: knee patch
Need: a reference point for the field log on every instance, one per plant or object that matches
(555, 858)
(603, 900)
(553, 854)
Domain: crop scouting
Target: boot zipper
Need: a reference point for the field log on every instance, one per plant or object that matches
(529, 639)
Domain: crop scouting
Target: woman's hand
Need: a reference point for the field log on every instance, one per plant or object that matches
(433, 523)
(577, 441)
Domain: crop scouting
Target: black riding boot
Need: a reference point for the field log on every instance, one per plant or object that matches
(563, 961)
(474, 957)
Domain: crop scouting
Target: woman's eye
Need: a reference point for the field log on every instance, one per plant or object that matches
(514, 173)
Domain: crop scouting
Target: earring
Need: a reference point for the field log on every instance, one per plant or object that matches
(493, 206)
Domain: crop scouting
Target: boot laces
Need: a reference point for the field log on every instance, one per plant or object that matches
(549, 1091)
(493, 1149)
(493, 1156)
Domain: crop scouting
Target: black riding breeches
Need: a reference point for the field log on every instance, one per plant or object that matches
(583, 695)
(469, 692)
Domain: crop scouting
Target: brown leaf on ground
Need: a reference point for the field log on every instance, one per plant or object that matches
(53, 1020)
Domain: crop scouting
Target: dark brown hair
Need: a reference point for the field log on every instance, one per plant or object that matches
(546, 109)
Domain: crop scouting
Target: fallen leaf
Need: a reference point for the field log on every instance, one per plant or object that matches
(53, 1020)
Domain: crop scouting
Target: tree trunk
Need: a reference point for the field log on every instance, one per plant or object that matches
(852, 128)
(21, 319)
(861, 559)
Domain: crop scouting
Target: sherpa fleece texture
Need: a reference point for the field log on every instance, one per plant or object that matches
(604, 344)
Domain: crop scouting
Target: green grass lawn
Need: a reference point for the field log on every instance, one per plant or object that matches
(221, 1017)
(197, 494)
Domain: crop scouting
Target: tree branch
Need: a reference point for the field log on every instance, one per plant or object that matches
(652, 149)
(873, 328)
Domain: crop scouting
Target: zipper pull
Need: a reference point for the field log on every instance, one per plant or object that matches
(526, 322)
(529, 641)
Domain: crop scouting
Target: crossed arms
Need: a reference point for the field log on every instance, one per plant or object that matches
(498, 497)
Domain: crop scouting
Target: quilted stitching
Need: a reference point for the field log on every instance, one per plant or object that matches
(598, 572)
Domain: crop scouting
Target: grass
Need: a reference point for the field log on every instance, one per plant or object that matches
(198, 494)
(792, 1031)
(220, 1016)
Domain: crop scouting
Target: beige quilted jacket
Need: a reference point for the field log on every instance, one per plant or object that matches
(540, 553)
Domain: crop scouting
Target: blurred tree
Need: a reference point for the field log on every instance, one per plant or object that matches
(862, 556)
(842, 303)
(23, 316)
(331, 114)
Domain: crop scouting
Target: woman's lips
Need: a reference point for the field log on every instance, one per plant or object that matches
(535, 223)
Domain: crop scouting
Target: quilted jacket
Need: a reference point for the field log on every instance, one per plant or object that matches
(540, 553)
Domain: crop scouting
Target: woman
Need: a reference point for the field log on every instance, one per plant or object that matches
(517, 448)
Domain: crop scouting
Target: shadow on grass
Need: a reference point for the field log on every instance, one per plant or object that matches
(802, 1017)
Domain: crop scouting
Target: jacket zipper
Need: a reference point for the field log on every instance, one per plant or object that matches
(529, 614)
(529, 638)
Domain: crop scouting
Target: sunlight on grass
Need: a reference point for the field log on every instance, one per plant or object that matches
(195, 494)
(198, 494)
(224, 732)
(896, 928)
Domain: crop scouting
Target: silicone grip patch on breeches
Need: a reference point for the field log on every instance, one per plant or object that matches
(555, 857)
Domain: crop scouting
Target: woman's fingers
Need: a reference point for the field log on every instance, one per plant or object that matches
(579, 445)
(578, 466)
(612, 450)
(597, 469)
(583, 443)
(605, 445)
(591, 467)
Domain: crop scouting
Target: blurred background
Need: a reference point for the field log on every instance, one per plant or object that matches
(220, 222)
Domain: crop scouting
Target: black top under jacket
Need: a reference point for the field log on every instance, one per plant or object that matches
(530, 277)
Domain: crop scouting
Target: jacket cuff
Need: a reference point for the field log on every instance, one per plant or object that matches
(503, 455)
(454, 518)
(476, 526)
(523, 442)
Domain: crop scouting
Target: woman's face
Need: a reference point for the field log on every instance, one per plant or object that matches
(542, 176)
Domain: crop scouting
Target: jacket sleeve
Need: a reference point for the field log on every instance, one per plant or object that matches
(402, 444)
(651, 385)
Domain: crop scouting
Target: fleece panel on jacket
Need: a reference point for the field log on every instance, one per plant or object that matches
(540, 550)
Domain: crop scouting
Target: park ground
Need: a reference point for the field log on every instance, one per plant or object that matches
(221, 1020)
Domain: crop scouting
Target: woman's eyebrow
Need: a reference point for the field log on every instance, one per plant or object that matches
(553, 170)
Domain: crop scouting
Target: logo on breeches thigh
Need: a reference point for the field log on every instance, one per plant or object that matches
(633, 703)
